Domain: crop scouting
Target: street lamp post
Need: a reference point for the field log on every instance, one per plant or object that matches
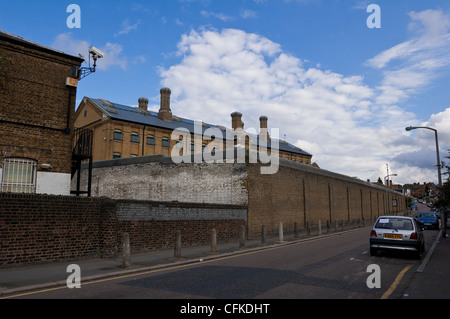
(443, 219)
(387, 201)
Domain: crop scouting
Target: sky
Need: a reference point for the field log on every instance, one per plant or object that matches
(338, 80)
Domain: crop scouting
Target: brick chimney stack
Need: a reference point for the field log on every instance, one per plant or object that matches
(143, 104)
(236, 121)
(263, 131)
(164, 112)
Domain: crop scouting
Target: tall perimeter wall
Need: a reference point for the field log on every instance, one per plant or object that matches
(304, 194)
(297, 193)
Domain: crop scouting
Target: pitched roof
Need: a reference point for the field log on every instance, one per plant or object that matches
(31, 44)
(127, 113)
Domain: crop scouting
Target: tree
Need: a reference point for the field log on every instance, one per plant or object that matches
(444, 194)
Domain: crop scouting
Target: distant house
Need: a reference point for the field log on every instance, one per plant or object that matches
(122, 131)
(37, 106)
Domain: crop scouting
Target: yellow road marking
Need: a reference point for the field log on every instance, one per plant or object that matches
(395, 283)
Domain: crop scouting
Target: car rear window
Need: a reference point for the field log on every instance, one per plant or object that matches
(427, 215)
(394, 223)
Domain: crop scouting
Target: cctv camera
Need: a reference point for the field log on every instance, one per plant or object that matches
(96, 52)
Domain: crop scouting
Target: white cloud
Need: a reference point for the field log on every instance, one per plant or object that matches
(113, 51)
(217, 15)
(247, 13)
(126, 27)
(413, 64)
(65, 43)
(349, 127)
(233, 70)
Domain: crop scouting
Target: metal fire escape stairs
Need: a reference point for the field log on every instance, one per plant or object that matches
(82, 151)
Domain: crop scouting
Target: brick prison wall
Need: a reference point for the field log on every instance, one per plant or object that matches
(153, 225)
(303, 194)
(42, 228)
(155, 178)
(297, 193)
(35, 103)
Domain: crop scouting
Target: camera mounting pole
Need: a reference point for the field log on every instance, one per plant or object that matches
(96, 54)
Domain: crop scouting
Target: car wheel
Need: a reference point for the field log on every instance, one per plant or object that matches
(373, 251)
(420, 250)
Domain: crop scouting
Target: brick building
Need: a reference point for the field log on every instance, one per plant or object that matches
(122, 131)
(36, 116)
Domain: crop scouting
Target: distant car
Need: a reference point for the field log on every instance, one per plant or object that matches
(397, 233)
(428, 220)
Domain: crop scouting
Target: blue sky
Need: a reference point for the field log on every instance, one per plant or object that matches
(338, 89)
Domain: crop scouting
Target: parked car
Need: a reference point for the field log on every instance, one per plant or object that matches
(397, 233)
(428, 220)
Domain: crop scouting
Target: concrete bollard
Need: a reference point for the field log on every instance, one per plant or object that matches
(280, 232)
(126, 251)
(320, 227)
(263, 234)
(177, 250)
(242, 237)
(213, 241)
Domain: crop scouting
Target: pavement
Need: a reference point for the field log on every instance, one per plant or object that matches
(430, 280)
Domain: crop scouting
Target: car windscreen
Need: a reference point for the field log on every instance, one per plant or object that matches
(394, 223)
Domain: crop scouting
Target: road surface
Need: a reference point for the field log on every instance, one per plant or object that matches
(328, 267)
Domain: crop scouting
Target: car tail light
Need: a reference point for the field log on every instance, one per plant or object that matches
(373, 233)
(414, 236)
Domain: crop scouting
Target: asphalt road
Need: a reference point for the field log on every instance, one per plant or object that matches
(332, 267)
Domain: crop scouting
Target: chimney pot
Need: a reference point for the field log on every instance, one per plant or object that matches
(143, 103)
(263, 131)
(236, 121)
(165, 112)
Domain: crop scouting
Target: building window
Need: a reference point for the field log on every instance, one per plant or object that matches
(18, 175)
(134, 137)
(116, 155)
(165, 142)
(150, 140)
(118, 136)
(192, 147)
(85, 113)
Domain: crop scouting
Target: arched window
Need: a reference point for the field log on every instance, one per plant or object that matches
(18, 175)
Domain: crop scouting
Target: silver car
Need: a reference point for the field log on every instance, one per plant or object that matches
(397, 233)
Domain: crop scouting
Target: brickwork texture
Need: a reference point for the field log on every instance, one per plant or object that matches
(42, 228)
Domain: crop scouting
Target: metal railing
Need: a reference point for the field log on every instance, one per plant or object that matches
(18, 176)
(83, 140)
